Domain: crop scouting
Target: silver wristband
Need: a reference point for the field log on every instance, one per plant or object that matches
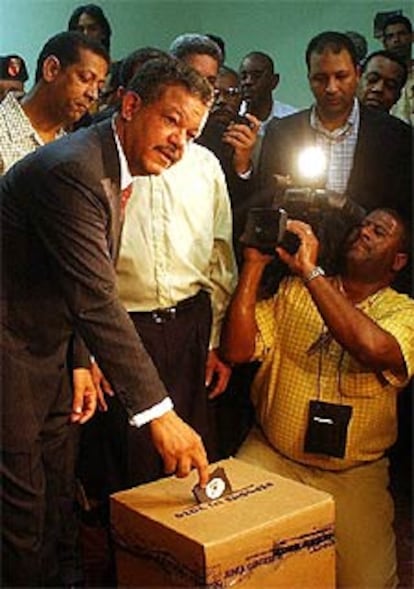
(317, 271)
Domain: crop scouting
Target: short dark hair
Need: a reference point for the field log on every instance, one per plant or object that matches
(361, 45)
(220, 42)
(392, 57)
(225, 69)
(97, 14)
(66, 47)
(334, 41)
(135, 60)
(195, 44)
(398, 19)
(156, 75)
(264, 57)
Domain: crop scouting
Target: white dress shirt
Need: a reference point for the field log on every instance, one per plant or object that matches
(177, 238)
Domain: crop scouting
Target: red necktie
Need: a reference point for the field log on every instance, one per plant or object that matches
(125, 194)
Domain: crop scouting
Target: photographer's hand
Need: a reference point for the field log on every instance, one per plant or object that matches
(304, 260)
(242, 138)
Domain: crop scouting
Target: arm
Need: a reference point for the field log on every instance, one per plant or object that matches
(222, 275)
(359, 335)
(72, 222)
(240, 329)
(180, 446)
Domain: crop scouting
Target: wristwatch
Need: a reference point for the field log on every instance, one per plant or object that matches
(314, 273)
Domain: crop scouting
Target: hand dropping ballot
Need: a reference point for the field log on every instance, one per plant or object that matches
(217, 486)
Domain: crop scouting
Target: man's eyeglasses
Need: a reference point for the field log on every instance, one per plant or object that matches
(226, 92)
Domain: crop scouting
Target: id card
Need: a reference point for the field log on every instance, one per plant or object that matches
(327, 428)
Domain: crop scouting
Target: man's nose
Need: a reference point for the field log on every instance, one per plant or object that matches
(378, 86)
(179, 138)
(92, 91)
(247, 80)
(332, 85)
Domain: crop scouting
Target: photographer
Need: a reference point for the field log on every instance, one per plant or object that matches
(334, 353)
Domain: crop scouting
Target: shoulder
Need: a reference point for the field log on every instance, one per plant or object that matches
(198, 159)
(384, 123)
(289, 124)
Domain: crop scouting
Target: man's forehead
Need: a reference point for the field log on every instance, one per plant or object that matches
(396, 28)
(382, 64)
(329, 54)
(384, 219)
(227, 80)
(177, 97)
(255, 62)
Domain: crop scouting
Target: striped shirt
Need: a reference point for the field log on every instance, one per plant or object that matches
(338, 146)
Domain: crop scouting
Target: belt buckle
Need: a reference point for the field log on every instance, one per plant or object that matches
(163, 315)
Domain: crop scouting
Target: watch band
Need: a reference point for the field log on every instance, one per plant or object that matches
(314, 273)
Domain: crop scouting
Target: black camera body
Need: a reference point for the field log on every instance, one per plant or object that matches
(266, 228)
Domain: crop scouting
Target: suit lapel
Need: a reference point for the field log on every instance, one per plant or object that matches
(111, 183)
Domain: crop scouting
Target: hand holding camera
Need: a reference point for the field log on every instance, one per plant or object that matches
(271, 232)
(266, 229)
(241, 135)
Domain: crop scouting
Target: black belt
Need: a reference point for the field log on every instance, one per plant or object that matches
(169, 313)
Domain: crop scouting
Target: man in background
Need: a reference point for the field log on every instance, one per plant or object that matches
(258, 81)
(383, 76)
(13, 74)
(397, 37)
(70, 71)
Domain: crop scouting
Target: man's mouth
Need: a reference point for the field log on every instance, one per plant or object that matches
(170, 156)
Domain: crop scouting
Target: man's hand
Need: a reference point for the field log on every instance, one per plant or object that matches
(102, 386)
(217, 374)
(180, 447)
(242, 138)
(304, 260)
(84, 396)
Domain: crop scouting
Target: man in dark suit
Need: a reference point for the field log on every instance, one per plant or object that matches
(61, 212)
(368, 153)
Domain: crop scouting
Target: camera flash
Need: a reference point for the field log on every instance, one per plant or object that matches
(312, 162)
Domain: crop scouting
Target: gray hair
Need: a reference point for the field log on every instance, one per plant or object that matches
(195, 44)
(155, 75)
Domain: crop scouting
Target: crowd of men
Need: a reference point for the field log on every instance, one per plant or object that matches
(135, 312)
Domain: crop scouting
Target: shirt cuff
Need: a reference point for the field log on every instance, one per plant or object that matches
(148, 415)
(246, 175)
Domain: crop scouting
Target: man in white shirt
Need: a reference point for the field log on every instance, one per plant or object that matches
(176, 272)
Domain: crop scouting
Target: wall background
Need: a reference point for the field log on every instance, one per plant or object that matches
(281, 28)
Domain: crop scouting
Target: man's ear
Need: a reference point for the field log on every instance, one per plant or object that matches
(400, 261)
(275, 81)
(131, 103)
(51, 68)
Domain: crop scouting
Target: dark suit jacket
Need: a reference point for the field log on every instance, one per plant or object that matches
(61, 222)
(239, 189)
(381, 171)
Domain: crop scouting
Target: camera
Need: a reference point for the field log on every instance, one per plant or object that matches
(266, 228)
(240, 118)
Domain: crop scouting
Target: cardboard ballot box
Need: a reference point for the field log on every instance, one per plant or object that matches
(268, 532)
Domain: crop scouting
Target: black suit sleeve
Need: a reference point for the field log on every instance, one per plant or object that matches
(72, 217)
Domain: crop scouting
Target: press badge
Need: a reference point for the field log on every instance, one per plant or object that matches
(327, 428)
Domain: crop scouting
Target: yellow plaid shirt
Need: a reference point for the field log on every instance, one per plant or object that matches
(289, 378)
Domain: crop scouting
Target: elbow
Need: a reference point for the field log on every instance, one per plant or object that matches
(235, 353)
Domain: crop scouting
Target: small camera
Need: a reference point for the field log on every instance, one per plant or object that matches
(240, 118)
(266, 228)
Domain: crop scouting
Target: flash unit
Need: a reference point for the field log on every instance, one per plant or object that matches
(312, 163)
